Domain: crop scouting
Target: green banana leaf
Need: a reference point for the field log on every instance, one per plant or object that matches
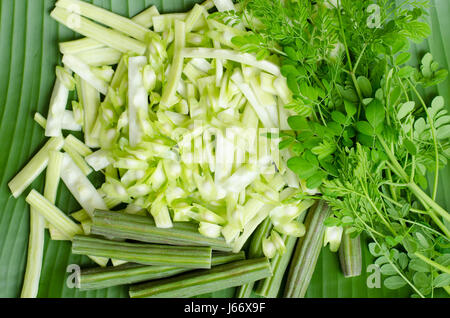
(28, 55)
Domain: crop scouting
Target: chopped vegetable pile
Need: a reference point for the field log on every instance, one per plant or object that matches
(242, 129)
(178, 121)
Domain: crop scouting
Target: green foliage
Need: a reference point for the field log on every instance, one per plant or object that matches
(430, 74)
(363, 132)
